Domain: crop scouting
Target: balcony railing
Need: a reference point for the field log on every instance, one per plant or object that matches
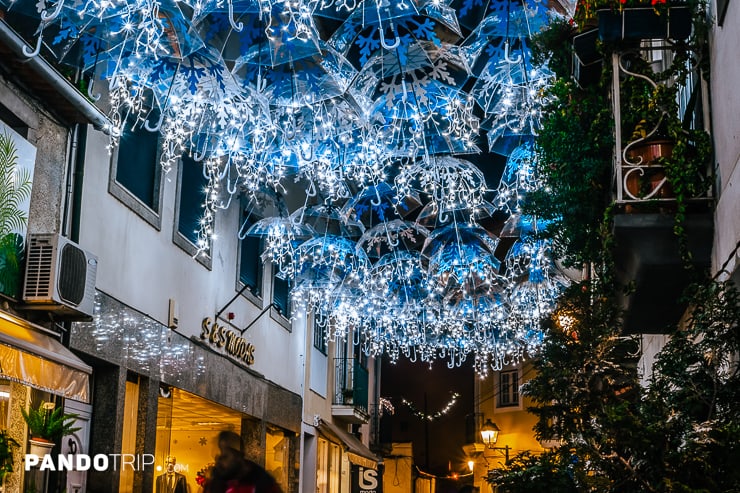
(641, 151)
(351, 384)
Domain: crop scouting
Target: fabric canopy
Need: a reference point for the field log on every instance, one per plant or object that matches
(34, 358)
(356, 451)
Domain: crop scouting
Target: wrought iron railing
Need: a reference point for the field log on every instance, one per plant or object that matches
(639, 171)
(351, 383)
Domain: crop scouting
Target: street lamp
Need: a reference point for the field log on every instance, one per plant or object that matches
(489, 433)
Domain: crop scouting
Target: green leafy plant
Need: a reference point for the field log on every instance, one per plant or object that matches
(49, 424)
(575, 149)
(7, 446)
(15, 187)
(529, 473)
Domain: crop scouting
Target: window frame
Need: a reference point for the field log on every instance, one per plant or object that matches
(275, 312)
(181, 240)
(320, 342)
(258, 297)
(513, 396)
(129, 199)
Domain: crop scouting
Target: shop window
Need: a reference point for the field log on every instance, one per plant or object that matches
(322, 466)
(136, 176)
(320, 326)
(187, 431)
(191, 197)
(277, 455)
(328, 464)
(250, 261)
(335, 457)
(281, 295)
(508, 392)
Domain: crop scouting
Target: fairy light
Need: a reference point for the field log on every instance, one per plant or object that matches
(433, 416)
(423, 295)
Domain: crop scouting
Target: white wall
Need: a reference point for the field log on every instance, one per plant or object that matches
(725, 67)
(143, 268)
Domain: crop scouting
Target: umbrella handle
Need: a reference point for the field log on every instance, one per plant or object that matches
(306, 154)
(507, 57)
(377, 196)
(384, 42)
(94, 97)
(157, 126)
(46, 17)
(198, 157)
(32, 53)
(237, 26)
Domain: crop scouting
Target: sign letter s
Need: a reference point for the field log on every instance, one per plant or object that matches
(368, 479)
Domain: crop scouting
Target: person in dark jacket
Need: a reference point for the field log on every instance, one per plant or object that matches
(171, 481)
(234, 473)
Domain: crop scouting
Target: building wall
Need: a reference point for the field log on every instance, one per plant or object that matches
(398, 474)
(142, 267)
(725, 72)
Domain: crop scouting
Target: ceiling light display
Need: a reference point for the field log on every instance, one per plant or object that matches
(370, 111)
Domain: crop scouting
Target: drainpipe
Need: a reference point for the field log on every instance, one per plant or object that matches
(66, 90)
(78, 175)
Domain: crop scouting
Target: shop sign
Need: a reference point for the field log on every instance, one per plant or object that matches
(365, 480)
(228, 340)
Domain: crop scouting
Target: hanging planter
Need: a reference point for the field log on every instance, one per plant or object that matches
(645, 23)
(40, 447)
(587, 59)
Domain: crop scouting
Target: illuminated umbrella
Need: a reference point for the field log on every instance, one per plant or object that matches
(452, 183)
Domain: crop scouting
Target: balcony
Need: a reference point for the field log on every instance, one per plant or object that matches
(350, 402)
(662, 171)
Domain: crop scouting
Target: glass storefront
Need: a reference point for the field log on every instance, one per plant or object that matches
(187, 431)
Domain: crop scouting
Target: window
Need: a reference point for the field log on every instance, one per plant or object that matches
(136, 176)
(281, 295)
(328, 460)
(250, 262)
(191, 193)
(319, 333)
(138, 164)
(508, 393)
(322, 466)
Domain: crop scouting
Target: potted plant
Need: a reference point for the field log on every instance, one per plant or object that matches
(47, 424)
(662, 156)
(7, 446)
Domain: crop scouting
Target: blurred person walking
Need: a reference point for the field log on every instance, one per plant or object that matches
(234, 473)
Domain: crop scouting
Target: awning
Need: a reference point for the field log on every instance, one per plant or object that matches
(33, 358)
(356, 451)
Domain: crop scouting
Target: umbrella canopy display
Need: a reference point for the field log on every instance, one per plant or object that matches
(363, 109)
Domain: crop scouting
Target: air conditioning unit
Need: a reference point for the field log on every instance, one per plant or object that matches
(60, 277)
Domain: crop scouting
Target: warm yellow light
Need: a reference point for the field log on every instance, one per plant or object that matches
(471, 465)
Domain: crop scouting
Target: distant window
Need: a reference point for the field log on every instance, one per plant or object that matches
(250, 261)
(508, 394)
(137, 165)
(281, 295)
(319, 333)
(192, 197)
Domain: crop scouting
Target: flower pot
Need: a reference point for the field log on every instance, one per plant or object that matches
(644, 23)
(40, 446)
(643, 177)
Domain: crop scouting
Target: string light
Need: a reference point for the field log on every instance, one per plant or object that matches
(371, 119)
(436, 415)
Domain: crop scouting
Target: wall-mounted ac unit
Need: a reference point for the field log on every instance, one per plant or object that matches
(60, 277)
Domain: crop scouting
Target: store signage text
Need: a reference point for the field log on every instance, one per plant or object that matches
(227, 339)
